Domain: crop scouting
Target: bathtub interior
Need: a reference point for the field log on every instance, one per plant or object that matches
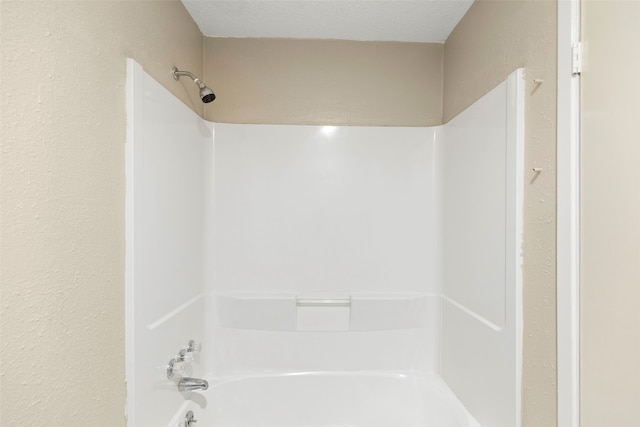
(321, 399)
(335, 276)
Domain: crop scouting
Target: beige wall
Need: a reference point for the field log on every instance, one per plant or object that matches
(63, 128)
(493, 39)
(320, 82)
(610, 216)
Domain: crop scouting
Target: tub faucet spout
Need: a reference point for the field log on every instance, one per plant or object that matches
(191, 384)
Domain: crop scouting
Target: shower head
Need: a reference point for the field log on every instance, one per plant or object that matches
(206, 94)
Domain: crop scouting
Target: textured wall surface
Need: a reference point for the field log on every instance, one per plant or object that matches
(62, 193)
(324, 82)
(610, 216)
(493, 39)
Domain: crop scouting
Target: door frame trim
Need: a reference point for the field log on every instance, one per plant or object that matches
(568, 216)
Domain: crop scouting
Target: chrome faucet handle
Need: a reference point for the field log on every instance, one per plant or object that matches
(194, 347)
(174, 367)
(184, 355)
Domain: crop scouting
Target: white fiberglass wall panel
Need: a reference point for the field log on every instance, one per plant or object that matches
(243, 351)
(474, 207)
(305, 213)
(482, 174)
(308, 209)
(169, 152)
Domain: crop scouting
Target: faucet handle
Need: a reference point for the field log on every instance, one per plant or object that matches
(174, 367)
(184, 355)
(194, 347)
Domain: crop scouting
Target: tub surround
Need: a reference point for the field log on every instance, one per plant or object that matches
(332, 257)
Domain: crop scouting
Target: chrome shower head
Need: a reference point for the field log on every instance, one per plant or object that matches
(206, 94)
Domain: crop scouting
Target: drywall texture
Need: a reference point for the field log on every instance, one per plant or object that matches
(324, 82)
(62, 192)
(493, 39)
(610, 212)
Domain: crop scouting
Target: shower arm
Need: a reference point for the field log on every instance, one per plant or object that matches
(177, 73)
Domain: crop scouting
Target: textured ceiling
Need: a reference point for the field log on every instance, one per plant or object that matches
(396, 20)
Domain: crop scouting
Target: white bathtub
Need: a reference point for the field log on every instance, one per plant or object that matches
(327, 399)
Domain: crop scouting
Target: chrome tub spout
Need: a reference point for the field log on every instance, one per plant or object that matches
(191, 384)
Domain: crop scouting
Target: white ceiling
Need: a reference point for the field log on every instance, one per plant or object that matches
(389, 20)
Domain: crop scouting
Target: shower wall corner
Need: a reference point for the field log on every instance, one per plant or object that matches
(166, 168)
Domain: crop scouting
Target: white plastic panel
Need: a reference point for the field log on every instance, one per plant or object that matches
(169, 150)
(380, 312)
(266, 312)
(482, 215)
(474, 207)
(354, 312)
(382, 346)
(307, 209)
(310, 211)
(328, 318)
